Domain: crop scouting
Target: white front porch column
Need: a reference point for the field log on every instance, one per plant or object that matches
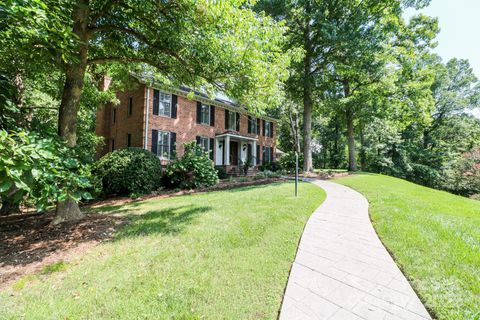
(227, 150)
(254, 153)
(218, 152)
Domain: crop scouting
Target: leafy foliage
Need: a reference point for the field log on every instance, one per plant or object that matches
(193, 170)
(128, 171)
(44, 169)
(287, 162)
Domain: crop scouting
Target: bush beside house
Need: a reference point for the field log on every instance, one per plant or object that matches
(130, 171)
(193, 170)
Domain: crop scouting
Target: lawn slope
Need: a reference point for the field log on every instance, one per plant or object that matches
(434, 237)
(218, 255)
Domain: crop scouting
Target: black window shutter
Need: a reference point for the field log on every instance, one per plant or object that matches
(238, 122)
(154, 141)
(212, 116)
(198, 140)
(271, 129)
(258, 154)
(263, 128)
(174, 106)
(212, 148)
(249, 124)
(258, 126)
(173, 145)
(226, 119)
(156, 99)
(263, 155)
(199, 111)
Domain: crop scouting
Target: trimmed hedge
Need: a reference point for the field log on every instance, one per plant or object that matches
(130, 171)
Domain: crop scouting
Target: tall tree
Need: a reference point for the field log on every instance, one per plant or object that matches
(224, 45)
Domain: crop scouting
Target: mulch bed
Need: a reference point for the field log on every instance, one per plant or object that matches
(29, 242)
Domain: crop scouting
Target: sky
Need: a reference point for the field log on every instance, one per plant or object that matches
(459, 36)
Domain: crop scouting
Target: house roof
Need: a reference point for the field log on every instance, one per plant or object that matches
(220, 99)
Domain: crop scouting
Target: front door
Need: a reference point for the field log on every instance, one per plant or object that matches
(233, 153)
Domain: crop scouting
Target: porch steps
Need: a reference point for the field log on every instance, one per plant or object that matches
(238, 172)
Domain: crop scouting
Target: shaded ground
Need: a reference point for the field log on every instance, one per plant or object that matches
(27, 244)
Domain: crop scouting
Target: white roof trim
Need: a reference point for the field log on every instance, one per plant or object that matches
(223, 135)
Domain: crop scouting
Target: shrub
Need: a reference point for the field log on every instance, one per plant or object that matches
(287, 162)
(267, 174)
(128, 171)
(270, 166)
(221, 172)
(40, 170)
(193, 170)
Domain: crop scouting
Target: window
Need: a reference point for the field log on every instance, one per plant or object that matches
(130, 106)
(268, 129)
(165, 104)
(204, 143)
(114, 115)
(267, 154)
(163, 145)
(252, 125)
(129, 140)
(205, 114)
(232, 121)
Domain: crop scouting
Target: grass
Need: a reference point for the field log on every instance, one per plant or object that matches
(218, 255)
(435, 238)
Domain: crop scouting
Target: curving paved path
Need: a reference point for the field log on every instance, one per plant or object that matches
(342, 270)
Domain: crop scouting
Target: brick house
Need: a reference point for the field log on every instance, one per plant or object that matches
(162, 119)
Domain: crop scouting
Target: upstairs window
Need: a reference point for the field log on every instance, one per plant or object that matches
(165, 104)
(252, 125)
(232, 121)
(268, 129)
(205, 114)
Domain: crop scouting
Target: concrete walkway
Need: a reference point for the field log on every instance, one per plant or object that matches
(342, 270)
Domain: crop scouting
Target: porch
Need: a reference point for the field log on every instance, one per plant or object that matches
(233, 151)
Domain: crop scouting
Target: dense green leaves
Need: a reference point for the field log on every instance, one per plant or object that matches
(193, 170)
(41, 171)
(130, 171)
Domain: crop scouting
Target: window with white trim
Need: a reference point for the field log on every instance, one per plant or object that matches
(253, 125)
(232, 121)
(163, 150)
(205, 143)
(165, 104)
(205, 114)
(268, 129)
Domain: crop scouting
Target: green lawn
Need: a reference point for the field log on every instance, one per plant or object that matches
(434, 237)
(219, 255)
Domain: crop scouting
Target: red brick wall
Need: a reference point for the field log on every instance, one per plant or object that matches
(185, 125)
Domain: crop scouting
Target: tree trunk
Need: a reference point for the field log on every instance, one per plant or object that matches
(363, 160)
(336, 152)
(352, 162)
(307, 95)
(72, 91)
